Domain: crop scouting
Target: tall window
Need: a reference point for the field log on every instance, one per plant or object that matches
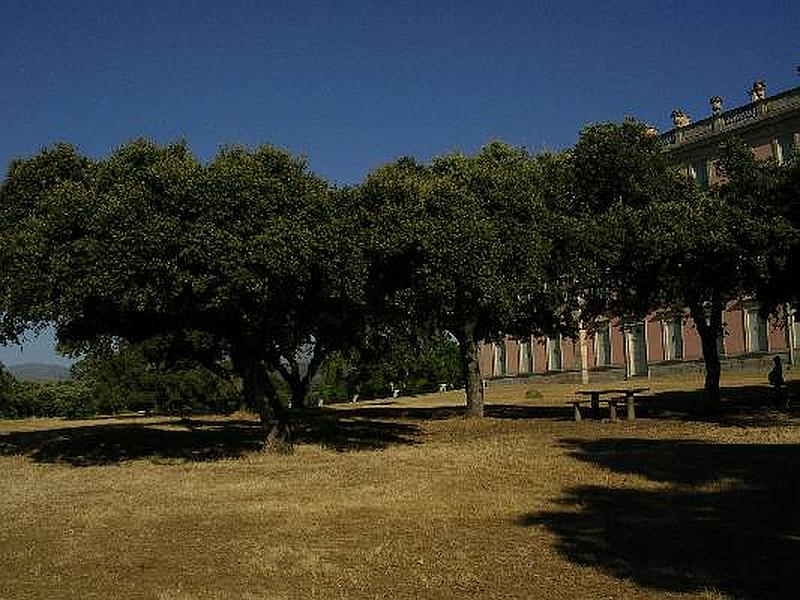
(795, 338)
(525, 357)
(755, 326)
(721, 343)
(699, 170)
(554, 354)
(637, 349)
(785, 148)
(500, 358)
(673, 339)
(602, 346)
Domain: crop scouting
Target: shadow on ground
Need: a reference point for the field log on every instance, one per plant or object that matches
(740, 407)
(728, 518)
(102, 443)
(743, 406)
(385, 410)
(368, 427)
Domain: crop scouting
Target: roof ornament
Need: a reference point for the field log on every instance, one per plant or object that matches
(680, 118)
(716, 104)
(758, 91)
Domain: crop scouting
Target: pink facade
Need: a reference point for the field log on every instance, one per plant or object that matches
(692, 348)
(617, 345)
(655, 338)
(739, 328)
(734, 331)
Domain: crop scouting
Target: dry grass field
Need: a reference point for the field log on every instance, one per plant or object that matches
(407, 499)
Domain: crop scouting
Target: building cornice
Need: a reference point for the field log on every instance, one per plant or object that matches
(740, 119)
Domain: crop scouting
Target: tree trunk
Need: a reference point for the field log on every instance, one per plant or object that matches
(299, 386)
(299, 389)
(473, 385)
(274, 418)
(709, 328)
(713, 371)
(278, 428)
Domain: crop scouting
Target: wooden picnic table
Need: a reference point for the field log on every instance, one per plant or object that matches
(596, 397)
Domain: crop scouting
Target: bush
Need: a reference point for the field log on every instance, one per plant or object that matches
(47, 399)
(533, 394)
(414, 367)
(125, 378)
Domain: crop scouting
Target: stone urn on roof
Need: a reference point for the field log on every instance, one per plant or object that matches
(680, 118)
(758, 91)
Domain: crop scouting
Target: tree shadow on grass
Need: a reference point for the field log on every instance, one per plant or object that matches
(727, 520)
(517, 411)
(496, 411)
(347, 432)
(745, 406)
(103, 442)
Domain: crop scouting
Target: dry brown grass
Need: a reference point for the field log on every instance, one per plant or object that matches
(406, 498)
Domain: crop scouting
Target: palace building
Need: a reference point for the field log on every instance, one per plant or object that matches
(771, 127)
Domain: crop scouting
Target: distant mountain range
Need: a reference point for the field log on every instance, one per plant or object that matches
(38, 372)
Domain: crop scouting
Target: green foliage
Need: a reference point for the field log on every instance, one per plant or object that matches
(771, 193)
(251, 251)
(48, 399)
(118, 380)
(412, 366)
(7, 383)
(336, 381)
(656, 240)
(464, 244)
(125, 378)
(621, 164)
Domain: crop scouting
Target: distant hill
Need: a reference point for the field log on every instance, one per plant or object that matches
(39, 372)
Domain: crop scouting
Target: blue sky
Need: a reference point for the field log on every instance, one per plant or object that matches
(352, 85)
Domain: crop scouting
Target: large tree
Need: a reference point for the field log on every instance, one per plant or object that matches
(251, 250)
(660, 242)
(464, 245)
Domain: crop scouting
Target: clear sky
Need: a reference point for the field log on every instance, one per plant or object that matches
(354, 84)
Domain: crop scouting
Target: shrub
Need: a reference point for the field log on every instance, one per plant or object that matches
(533, 394)
(48, 399)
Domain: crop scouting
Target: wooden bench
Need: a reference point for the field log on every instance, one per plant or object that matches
(624, 396)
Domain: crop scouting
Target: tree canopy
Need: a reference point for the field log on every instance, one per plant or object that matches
(252, 261)
(251, 250)
(464, 245)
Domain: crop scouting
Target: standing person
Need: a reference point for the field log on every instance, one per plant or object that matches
(776, 381)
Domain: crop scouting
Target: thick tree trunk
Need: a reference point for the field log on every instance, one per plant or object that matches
(473, 385)
(709, 328)
(261, 394)
(299, 391)
(713, 372)
(278, 428)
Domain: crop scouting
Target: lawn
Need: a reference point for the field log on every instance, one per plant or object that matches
(405, 498)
